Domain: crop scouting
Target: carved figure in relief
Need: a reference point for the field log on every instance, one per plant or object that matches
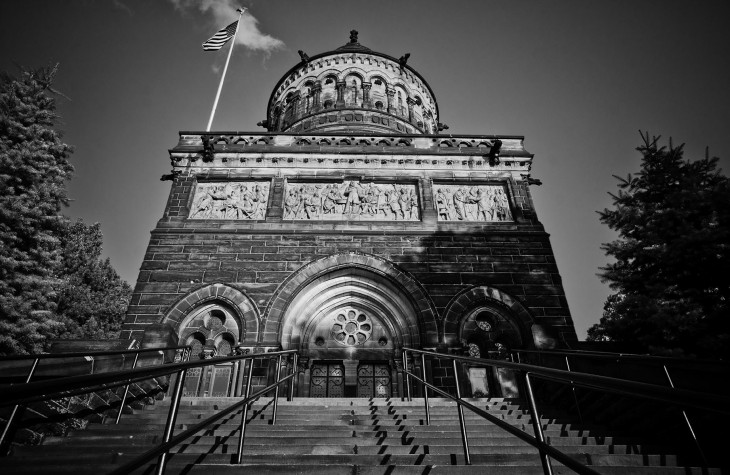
(404, 200)
(472, 203)
(460, 199)
(352, 205)
(259, 198)
(350, 200)
(290, 204)
(329, 204)
(312, 202)
(229, 201)
(442, 204)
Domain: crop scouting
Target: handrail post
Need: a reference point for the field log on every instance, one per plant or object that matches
(537, 425)
(244, 415)
(575, 395)
(294, 369)
(171, 417)
(687, 422)
(425, 389)
(464, 439)
(276, 390)
(5, 436)
(126, 391)
(408, 376)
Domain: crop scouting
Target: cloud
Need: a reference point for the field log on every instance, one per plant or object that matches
(224, 12)
(118, 4)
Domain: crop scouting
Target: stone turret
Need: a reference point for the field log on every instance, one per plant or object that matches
(352, 89)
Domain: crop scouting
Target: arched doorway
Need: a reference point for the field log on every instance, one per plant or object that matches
(213, 320)
(350, 320)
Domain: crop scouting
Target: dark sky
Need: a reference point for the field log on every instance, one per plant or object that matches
(578, 79)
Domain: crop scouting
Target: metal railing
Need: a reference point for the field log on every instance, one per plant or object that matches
(679, 397)
(36, 359)
(716, 371)
(73, 385)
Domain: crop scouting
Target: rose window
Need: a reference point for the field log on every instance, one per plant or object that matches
(352, 328)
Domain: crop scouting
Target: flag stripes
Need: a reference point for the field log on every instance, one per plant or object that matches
(217, 41)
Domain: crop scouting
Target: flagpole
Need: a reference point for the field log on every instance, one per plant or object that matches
(225, 68)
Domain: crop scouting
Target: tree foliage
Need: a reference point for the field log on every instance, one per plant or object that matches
(36, 274)
(671, 259)
(92, 298)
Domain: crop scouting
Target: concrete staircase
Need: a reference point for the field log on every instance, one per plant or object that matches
(345, 436)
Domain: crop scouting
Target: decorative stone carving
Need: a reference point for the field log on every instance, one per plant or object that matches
(351, 328)
(242, 200)
(471, 203)
(351, 200)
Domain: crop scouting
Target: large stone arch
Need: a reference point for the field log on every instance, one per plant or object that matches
(367, 281)
(230, 297)
(472, 298)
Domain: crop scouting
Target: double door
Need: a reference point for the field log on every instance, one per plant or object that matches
(329, 379)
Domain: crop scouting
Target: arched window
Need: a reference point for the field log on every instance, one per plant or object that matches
(328, 104)
(211, 329)
(379, 105)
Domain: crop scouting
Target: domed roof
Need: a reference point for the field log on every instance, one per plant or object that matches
(352, 89)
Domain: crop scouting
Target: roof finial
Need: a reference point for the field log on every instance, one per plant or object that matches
(353, 36)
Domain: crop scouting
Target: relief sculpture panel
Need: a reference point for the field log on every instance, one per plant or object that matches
(238, 200)
(351, 200)
(471, 203)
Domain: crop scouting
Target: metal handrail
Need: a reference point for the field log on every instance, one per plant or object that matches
(76, 354)
(72, 385)
(5, 435)
(169, 441)
(679, 397)
(629, 357)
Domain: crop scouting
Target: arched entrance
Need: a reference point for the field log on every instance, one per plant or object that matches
(350, 318)
(213, 320)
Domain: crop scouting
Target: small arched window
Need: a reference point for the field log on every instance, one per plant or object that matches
(379, 105)
(328, 104)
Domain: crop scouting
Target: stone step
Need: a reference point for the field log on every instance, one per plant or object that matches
(456, 458)
(251, 447)
(228, 428)
(357, 437)
(523, 468)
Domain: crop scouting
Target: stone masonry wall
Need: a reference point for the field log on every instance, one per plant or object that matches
(518, 261)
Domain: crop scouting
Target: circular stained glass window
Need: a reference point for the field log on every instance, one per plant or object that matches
(351, 328)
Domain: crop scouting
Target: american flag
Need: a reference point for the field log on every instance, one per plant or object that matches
(217, 41)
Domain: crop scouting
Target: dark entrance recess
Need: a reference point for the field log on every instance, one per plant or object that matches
(373, 380)
(328, 379)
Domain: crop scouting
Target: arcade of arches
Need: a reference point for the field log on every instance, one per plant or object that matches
(349, 324)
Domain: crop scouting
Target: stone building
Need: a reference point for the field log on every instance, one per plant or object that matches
(351, 228)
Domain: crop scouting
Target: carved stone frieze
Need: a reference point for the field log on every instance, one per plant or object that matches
(471, 202)
(351, 200)
(238, 200)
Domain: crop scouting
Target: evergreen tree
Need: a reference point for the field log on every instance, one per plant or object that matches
(92, 298)
(53, 282)
(33, 169)
(672, 257)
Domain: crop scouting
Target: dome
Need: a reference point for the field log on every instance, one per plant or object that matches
(352, 89)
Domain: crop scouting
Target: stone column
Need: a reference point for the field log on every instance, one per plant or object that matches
(410, 102)
(366, 95)
(295, 100)
(390, 92)
(340, 103)
(316, 97)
